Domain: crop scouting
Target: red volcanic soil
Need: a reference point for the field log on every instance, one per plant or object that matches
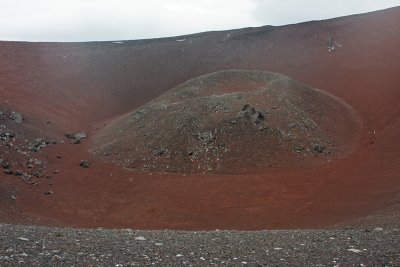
(60, 87)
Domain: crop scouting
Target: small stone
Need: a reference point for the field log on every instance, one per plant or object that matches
(378, 229)
(18, 173)
(5, 164)
(37, 174)
(140, 238)
(56, 171)
(84, 163)
(30, 166)
(319, 148)
(69, 135)
(48, 192)
(298, 149)
(80, 135)
(75, 141)
(354, 250)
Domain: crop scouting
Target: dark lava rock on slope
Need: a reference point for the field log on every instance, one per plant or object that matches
(231, 122)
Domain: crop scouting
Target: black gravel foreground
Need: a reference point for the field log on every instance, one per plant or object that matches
(44, 246)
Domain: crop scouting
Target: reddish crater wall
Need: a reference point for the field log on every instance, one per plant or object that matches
(81, 86)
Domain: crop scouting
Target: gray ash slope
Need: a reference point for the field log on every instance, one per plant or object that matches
(43, 246)
(231, 121)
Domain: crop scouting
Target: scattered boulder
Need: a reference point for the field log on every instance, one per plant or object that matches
(298, 149)
(38, 144)
(37, 174)
(84, 163)
(319, 148)
(69, 135)
(5, 164)
(30, 166)
(206, 137)
(80, 135)
(257, 117)
(76, 137)
(76, 141)
(6, 135)
(247, 110)
(16, 116)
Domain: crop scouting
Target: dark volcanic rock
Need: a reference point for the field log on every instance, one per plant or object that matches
(75, 141)
(319, 148)
(38, 144)
(69, 135)
(84, 163)
(19, 173)
(5, 164)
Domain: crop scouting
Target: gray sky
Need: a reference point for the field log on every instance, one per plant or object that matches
(85, 20)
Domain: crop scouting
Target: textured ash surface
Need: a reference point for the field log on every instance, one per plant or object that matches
(217, 123)
(43, 246)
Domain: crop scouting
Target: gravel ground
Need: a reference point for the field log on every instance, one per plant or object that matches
(44, 246)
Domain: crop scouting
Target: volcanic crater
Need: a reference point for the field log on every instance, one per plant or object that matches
(232, 121)
(235, 148)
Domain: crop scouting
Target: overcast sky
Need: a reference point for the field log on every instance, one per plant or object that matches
(85, 20)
